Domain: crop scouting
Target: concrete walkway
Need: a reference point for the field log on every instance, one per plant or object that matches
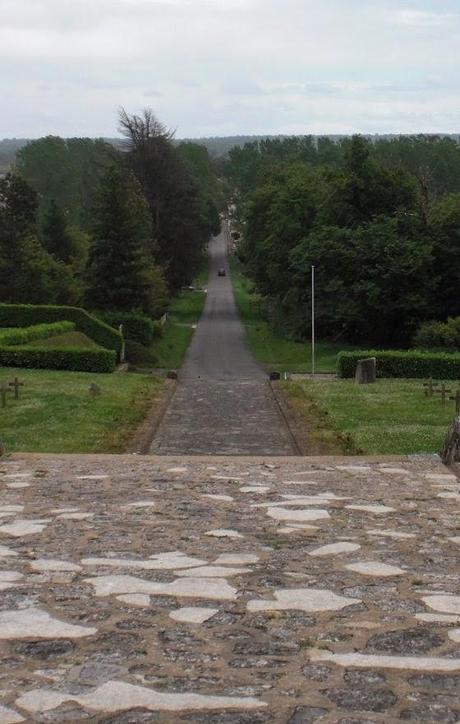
(228, 590)
(223, 403)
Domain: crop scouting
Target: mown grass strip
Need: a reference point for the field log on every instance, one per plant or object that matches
(57, 414)
(269, 348)
(168, 351)
(390, 417)
(68, 339)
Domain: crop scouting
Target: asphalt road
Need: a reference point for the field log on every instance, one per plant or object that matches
(218, 350)
(223, 403)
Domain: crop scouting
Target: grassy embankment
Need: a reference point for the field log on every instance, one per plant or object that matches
(56, 413)
(185, 311)
(271, 350)
(390, 417)
(168, 351)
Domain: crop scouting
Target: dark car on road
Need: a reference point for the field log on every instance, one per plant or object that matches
(221, 272)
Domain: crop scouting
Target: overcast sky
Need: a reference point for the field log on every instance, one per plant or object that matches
(225, 67)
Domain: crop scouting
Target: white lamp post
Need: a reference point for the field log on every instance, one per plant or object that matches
(313, 320)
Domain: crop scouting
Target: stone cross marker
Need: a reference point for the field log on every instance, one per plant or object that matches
(443, 392)
(16, 384)
(429, 387)
(456, 399)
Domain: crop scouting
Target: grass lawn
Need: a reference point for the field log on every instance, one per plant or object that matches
(169, 351)
(55, 412)
(187, 307)
(389, 417)
(185, 311)
(68, 339)
(268, 348)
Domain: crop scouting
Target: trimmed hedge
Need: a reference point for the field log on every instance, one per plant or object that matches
(75, 359)
(23, 335)
(404, 364)
(26, 315)
(139, 354)
(136, 327)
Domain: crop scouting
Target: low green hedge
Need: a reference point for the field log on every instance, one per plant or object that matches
(81, 359)
(137, 353)
(26, 315)
(136, 327)
(23, 335)
(404, 364)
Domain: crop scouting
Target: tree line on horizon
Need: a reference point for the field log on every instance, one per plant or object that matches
(82, 222)
(379, 221)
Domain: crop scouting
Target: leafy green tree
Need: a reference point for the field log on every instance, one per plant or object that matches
(121, 272)
(374, 282)
(444, 229)
(56, 237)
(433, 160)
(28, 273)
(181, 222)
(367, 189)
(196, 159)
(279, 214)
(66, 171)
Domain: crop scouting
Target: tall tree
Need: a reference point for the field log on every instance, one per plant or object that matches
(56, 237)
(444, 229)
(28, 273)
(181, 225)
(66, 171)
(121, 272)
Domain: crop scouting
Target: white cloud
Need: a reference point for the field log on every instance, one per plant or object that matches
(422, 18)
(229, 66)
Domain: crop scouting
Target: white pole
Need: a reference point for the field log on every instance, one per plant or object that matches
(313, 320)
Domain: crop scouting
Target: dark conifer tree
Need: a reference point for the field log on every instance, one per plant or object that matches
(56, 237)
(181, 227)
(121, 271)
(27, 272)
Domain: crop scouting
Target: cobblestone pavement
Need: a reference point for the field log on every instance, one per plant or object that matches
(223, 417)
(228, 590)
(223, 403)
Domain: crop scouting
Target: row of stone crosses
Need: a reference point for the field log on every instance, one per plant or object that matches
(430, 390)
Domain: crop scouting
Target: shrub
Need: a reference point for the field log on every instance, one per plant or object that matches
(439, 334)
(25, 315)
(158, 329)
(136, 327)
(405, 364)
(79, 359)
(136, 353)
(23, 335)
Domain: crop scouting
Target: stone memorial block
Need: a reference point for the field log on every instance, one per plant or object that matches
(451, 451)
(366, 371)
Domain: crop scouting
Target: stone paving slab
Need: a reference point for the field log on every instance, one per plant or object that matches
(229, 417)
(239, 591)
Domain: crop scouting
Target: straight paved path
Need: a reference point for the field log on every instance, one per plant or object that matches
(230, 590)
(223, 402)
